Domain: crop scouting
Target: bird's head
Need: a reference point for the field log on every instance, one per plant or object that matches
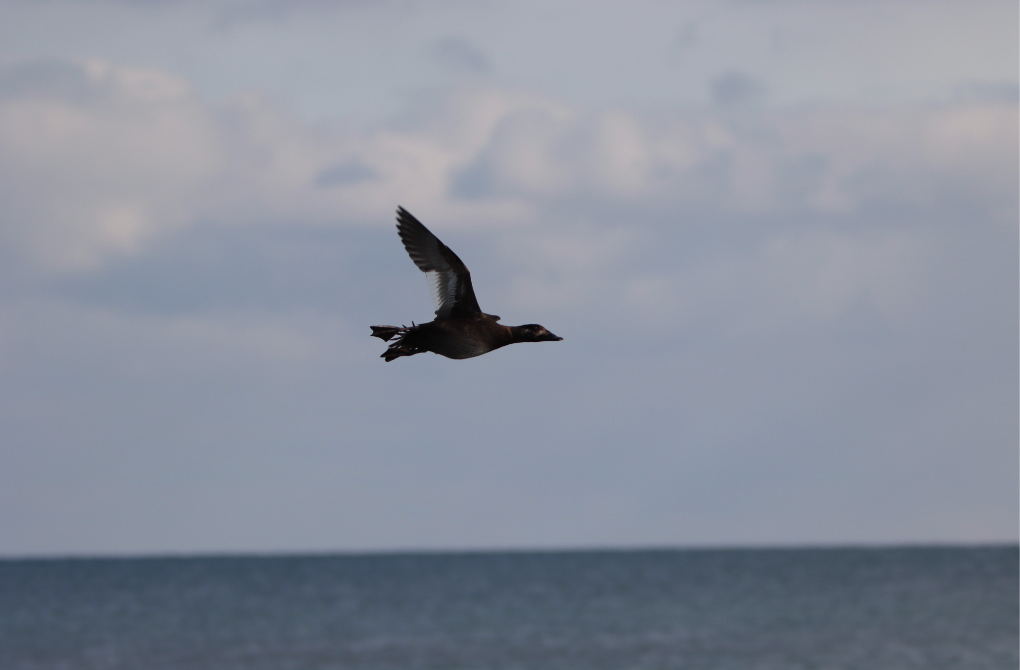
(533, 332)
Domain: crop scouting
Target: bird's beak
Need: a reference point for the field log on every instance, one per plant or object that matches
(552, 338)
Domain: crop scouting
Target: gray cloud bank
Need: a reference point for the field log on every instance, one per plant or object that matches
(792, 324)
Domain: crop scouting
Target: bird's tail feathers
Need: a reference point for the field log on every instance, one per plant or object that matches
(386, 333)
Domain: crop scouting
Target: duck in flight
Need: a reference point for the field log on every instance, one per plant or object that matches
(460, 329)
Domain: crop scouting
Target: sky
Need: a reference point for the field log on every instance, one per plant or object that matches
(779, 239)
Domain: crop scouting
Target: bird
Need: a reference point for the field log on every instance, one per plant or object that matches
(460, 329)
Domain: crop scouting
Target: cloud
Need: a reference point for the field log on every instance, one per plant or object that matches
(100, 160)
(737, 88)
(986, 91)
(811, 210)
(460, 56)
(825, 159)
(97, 159)
(349, 172)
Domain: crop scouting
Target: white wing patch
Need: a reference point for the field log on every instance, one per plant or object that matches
(443, 288)
(438, 263)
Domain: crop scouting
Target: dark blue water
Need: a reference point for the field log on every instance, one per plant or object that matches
(826, 609)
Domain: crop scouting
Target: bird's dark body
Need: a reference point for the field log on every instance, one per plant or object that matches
(453, 338)
(460, 329)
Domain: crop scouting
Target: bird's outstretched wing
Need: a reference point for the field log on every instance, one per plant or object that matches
(448, 277)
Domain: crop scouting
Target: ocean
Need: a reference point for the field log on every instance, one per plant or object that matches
(763, 609)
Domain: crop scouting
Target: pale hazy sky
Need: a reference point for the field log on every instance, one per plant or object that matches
(779, 238)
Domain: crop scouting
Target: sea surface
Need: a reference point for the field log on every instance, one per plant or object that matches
(820, 609)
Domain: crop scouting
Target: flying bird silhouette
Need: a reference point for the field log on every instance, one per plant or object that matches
(460, 329)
